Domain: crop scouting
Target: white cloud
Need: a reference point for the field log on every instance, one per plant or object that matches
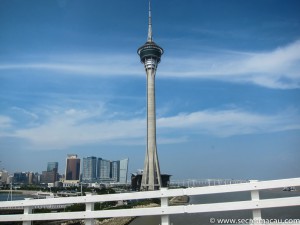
(278, 61)
(227, 123)
(279, 68)
(61, 128)
(72, 127)
(5, 122)
(26, 112)
(84, 64)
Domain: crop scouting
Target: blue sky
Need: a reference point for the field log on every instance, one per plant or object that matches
(227, 88)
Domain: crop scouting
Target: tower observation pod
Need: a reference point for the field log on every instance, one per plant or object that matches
(150, 54)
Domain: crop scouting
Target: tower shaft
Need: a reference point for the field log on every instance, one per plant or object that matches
(151, 175)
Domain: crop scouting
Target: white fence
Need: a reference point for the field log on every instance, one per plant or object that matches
(204, 182)
(255, 203)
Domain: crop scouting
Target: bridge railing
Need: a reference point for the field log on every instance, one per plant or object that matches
(255, 203)
(204, 182)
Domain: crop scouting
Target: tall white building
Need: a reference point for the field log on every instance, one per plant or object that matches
(103, 169)
(123, 171)
(89, 169)
(115, 171)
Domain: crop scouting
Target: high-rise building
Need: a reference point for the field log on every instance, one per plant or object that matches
(20, 178)
(30, 178)
(49, 177)
(104, 169)
(89, 168)
(52, 166)
(115, 171)
(3, 176)
(112, 171)
(150, 54)
(72, 168)
(123, 171)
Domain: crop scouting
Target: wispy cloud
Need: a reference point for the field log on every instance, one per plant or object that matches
(231, 122)
(5, 122)
(26, 112)
(72, 127)
(87, 65)
(279, 68)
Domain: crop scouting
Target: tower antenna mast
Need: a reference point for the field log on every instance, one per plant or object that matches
(149, 24)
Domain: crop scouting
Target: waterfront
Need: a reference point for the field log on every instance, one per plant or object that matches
(5, 196)
(205, 218)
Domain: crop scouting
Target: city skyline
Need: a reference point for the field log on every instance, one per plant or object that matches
(90, 169)
(227, 92)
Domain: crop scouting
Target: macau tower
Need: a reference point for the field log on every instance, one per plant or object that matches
(150, 54)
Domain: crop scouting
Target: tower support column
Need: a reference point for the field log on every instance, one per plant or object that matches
(151, 175)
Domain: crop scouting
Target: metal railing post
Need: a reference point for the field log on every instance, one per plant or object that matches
(165, 220)
(27, 210)
(88, 208)
(256, 213)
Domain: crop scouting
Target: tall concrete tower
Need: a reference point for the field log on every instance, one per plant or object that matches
(150, 54)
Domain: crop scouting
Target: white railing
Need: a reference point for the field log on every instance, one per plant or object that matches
(204, 182)
(255, 203)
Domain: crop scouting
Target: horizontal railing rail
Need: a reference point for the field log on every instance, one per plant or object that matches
(255, 203)
(204, 182)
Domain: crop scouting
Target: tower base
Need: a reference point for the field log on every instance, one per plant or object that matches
(136, 181)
